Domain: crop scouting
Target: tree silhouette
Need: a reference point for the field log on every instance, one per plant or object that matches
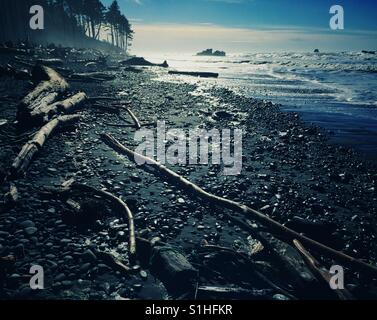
(66, 22)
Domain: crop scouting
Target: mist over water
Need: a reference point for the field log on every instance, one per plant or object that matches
(336, 91)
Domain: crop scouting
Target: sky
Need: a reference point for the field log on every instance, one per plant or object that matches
(249, 25)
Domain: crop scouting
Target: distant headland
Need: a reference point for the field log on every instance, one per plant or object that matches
(210, 52)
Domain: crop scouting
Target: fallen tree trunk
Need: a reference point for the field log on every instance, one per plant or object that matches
(45, 112)
(32, 147)
(274, 226)
(196, 74)
(45, 93)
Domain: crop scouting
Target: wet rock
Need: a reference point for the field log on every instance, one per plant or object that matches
(30, 231)
(172, 267)
(4, 234)
(27, 224)
(223, 115)
(280, 297)
(143, 274)
(66, 283)
(60, 277)
(85, 267)
(89, 256)
(103, 268)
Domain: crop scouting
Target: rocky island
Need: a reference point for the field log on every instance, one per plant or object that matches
(210, 52)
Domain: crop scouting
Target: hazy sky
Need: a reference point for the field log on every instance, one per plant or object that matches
(249, 25)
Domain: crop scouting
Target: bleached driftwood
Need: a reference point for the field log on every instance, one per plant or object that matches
(50, 86)
(45, 112)
(32, 147)
(50, 62)
(134, 119)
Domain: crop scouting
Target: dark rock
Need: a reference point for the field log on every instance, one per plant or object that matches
(139, 61)
(173, 268)
(30, 230)
(89, 256)
(27, 224)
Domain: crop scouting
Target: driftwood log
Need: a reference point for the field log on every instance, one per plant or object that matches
(195, 74)
(45, 112)
(32, 147)
(274, 226)
(50, 62)
(50, 86)
(127, 214)
(134, 119)
(92, 76)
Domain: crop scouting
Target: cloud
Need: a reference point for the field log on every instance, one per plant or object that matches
(194, 37)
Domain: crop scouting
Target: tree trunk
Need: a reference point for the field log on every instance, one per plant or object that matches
(45, 93)
(45, 113)
(32, 147)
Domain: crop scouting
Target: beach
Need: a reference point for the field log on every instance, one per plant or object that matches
(333, 90)
(292, 171)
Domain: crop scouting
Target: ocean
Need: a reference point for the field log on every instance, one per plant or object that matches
(336, 91)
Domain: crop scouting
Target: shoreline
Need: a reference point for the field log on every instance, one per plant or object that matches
(322, 96)
(290, 170)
